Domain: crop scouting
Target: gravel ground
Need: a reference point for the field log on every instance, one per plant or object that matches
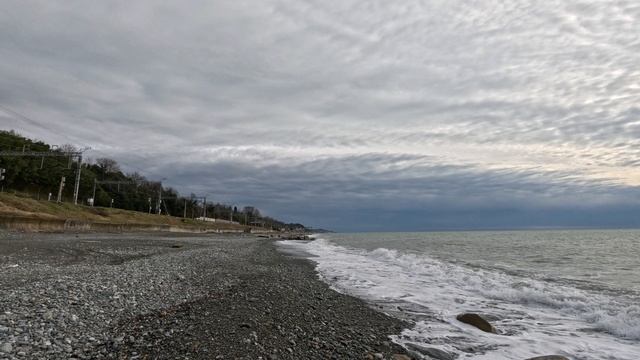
(168, 296)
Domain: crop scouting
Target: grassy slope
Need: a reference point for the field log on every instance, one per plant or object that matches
(12, 205)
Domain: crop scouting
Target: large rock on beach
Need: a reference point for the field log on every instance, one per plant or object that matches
(477, 321)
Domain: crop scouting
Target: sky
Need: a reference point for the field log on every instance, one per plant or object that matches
(367, 115)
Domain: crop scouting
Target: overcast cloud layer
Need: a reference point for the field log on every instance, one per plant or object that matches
(373, 115)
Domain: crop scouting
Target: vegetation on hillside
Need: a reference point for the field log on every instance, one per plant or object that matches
(40, 178)
(16, 206)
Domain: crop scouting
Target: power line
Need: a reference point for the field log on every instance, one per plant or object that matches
(40, 125)
(79, 156)
(23, 117)
(43, 154)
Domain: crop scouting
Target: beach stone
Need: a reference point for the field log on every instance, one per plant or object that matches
(476, 321)
(6, 348)
(124, 310)
(431, 352)
(549, 357)
(400, 357)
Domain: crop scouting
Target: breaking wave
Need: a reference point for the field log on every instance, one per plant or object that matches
(532, 314)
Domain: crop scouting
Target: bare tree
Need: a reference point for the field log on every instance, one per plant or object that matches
(137, 177)
(68, 148)
(108, 166)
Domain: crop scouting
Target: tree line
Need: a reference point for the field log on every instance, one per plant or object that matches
(40, 178)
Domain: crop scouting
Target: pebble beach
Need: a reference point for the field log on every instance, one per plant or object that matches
(171, 296)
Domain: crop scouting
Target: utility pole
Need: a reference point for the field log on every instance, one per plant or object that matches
(2, 172)
(60, 189)
(109, 182)
(164, 203)
(149, 205)
(185, 209)
(93, 197)
(159, 198)
(160, 195)
(204, 208)
(42, 154)
(76, 188)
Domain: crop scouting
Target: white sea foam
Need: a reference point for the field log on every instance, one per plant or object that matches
(535, 317)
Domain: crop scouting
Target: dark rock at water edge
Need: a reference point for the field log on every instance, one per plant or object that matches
(476, 321)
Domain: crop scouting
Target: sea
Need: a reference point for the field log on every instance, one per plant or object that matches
(574, 293)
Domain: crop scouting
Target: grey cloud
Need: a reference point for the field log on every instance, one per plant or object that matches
(340, 103)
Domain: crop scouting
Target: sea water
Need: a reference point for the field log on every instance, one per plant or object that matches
(574, 293)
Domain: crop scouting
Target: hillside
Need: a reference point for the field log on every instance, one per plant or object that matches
(14, 206)
(36, 170)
